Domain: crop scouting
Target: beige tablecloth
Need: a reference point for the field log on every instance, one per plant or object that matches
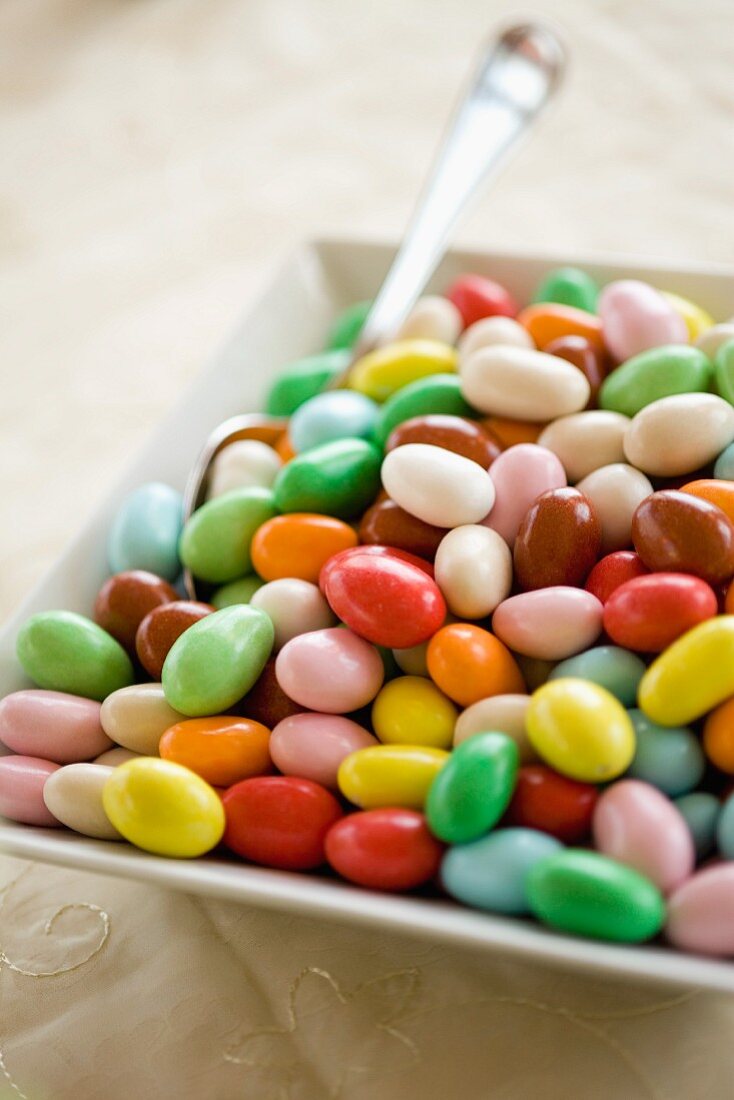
(157, 157)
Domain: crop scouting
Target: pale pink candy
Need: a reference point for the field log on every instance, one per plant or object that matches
(312, 746)
(635, 316)
(520, 474)
(550, 623)
(52, 725)
(21, 789)
(114, 757)
(636, 824)
(701, 912)
(330, 670)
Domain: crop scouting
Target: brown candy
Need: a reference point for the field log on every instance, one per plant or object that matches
(579, 351)
(161, 627)
(453, 433)
(558, 542)
(387, 524)
(266, 702)
(125, 599)
(680, 533)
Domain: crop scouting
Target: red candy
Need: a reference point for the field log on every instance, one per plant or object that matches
(385, 849)
(279, 821)
(476, 297)
(384, 598)
(612, 571)
(545, 800)
(648, 613)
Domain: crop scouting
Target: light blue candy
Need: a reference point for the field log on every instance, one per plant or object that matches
(701, 811)
(725, 829)
(609, 666)
(490, 873)
(146, 530)
(668, 757)
(341, 414)
(724, 467)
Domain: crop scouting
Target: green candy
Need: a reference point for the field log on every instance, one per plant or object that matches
(589, 894)
(348, 325)
(215, 543)
(303, 380)
(473, 789)
(217, 660)
(438, 393)
(658, 372)
(240, 591)
(568, 286)
(63, 651)
(609, 666)
(338, 479)
(724, 371)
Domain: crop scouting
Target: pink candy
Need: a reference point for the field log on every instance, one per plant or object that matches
(636, 317)
(21, 789)
(330, 670)
(520, 474)
(314, 745)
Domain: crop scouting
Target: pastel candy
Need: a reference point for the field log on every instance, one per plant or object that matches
(294, 607)
(519, 475)
(659, 372)
(701, 812)
(330, 670)
(437, 486)
(137, 716)
(473, 570)
(715, 337)
(340, 414)
(312, 746)
(678, 434)
(636, 317)
(21, 789)
(244, 464)
(503, 713)
(670, 758)
(114, 757)
(701, 912)
(63, 651)
(73, 795)
(491, 332)
(615, 492)
(637, 825)
(432, 318)
(146, 530)
(612, 668)
(215, 544)
(550, 623)
(522, 383)
(53, 725)
(585, 441)
(491, 872)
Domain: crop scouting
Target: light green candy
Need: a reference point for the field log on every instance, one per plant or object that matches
(724, 371)
(568, 286)
(215, 544)
(217, 660)
(304, 379)
(658, 372)
(437, 393)
(609, 666)
(240, 591)
(63, 651)
(345, 331)
(589, 894)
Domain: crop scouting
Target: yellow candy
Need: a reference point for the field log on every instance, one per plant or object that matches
(163, 808)
(390, 775)
(412, 711)
(692, 676)
(697, 319)
(581, 730)
(380, 373)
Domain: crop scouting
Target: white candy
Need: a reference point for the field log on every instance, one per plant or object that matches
(137, 716)
(585, 441)
(711, 340)
(294, 606)
(677, 434)
(432, 318)
(522, 383)
(114, 757)
(73, 794)
(473, 569)
(491, 332)
(436, 485)
(503, 713)
(413, 660)
(243, 464)
(615, 492)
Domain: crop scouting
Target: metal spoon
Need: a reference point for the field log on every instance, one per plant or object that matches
(517, 74)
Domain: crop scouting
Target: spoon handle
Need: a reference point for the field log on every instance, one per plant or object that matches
(516, 76)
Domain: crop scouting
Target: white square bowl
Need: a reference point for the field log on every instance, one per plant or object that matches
(290, 321)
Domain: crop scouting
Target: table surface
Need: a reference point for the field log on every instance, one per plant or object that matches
(159, 158)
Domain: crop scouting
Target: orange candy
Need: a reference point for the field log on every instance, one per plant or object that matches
(468, 664)
(509, 432)
(222, 750)
(715, 491)
(549, 321)
(718, 737)
(284, 448)
(297, 545)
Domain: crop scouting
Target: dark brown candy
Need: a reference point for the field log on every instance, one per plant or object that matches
(453, 433)
(161, 627)
(579, 351)
(125, 599)
(558, 542)
(680, 533)
(387, 524)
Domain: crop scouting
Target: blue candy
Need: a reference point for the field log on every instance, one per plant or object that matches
(491, 873)
(701, 811)
(668, 757)
(146, 530)
(340, 414)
